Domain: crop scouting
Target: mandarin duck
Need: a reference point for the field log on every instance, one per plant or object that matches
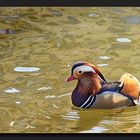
(93, 91)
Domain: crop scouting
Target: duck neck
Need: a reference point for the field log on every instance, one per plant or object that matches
(89, 84)
(86, 90)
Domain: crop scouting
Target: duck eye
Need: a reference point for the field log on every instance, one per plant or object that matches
(80, 71)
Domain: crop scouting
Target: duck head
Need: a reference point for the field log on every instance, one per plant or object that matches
(89, 78)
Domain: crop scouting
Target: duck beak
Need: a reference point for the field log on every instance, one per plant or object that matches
(70, 78)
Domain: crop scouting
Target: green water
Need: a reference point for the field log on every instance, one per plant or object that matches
(53, 39)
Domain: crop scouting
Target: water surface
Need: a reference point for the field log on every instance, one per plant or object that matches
(37, 49)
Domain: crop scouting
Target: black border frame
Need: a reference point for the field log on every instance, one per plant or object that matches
(69, 3)
(71, 136)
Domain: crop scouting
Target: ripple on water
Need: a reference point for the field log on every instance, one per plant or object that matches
(96, 129)
(50, 96)
(71, 116)
(104, 57)
(123, 40)
(93, 15)
(44, 88)
(7, 31)
(68, 65)
(73, 20)
(109, 122)
(102, 65)
(55, 106)
(17, 102)
(9, 17)
(63, 95)
(132, 19)
(12, 123)
(29, 126)
(11, 90)
(26, 69)
(55, 12)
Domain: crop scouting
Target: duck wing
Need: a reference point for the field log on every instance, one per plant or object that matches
(112, 87)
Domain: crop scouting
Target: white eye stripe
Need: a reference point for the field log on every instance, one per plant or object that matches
(86, 69)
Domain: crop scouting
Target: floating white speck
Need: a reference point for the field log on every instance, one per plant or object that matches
(104, 57)
(12, 124)
(44, 88)
(68, 65)
(12, 90)
(26, 69)
(102, 65)
(18, 102)
(93, 15)
(123, 40)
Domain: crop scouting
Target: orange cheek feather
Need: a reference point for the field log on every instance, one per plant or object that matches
(131, 85)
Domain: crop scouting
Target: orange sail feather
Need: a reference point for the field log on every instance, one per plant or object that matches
(131, 85)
